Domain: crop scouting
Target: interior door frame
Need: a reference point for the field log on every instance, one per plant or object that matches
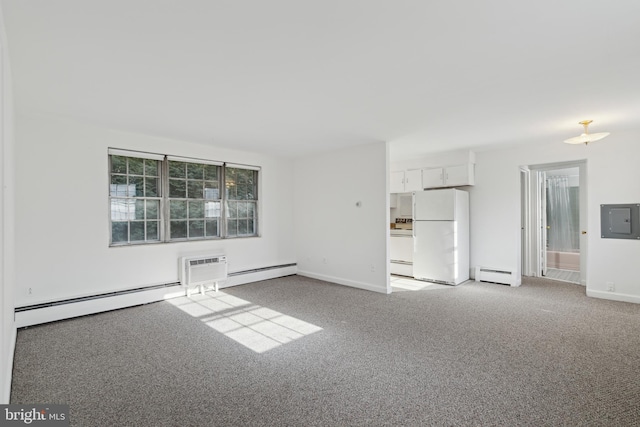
(525, 226)
(531, 205)
(541, 196)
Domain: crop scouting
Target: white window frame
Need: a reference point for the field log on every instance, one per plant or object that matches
(165, 199)
(247, 201)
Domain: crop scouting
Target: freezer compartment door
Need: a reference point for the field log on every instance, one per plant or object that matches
(435, 254)
(434, 205)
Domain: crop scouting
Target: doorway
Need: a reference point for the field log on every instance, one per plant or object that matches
(554, 218)
(561, 216)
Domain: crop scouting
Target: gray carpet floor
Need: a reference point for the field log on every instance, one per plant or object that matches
(300, 352)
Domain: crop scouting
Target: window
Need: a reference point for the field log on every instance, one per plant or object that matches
(194, 200)
(164, 199)
(242, 200)
(134, 199)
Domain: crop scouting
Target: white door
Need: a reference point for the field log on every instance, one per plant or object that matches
(525, 226)
(582, 171)
(536, 236)
(543, 222)
(434, 256)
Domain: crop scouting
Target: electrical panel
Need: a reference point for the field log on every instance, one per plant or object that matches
(620, 221)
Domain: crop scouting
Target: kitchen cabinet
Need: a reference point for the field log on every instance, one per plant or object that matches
(399, 269)
(405, 181)
(450, 176)
(401, 253)
(396, 182)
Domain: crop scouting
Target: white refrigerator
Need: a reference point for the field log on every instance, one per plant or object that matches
(441, 236)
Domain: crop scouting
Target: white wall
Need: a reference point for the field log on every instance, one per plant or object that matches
(612, 177)
(448, 158)
(7, 222)
(336, 240)
(62, 226)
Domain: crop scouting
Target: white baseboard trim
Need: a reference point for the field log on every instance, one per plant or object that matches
(345, 282)
(258, 275)
(92, 306)
(83, 307)
(6, 387)
(614, 296)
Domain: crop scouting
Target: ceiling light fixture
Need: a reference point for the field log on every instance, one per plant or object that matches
(586, 137)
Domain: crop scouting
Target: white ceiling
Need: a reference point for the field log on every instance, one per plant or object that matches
(291, 77)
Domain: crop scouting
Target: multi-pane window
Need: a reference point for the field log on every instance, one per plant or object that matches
(242, 200)
(134, 192)
(177, 199)
(194, 200)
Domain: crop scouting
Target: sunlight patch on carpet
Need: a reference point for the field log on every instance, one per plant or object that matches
(401, 284)
(257, 328)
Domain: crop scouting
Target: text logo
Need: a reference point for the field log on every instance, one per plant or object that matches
(34, 415)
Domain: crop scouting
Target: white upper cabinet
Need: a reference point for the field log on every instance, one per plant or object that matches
(412, 180)
(405, 181)
(432, 177)
(396, 182)
(450, 176)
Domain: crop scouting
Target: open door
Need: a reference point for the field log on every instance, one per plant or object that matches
(556, 201)
(525, 263)
(583, 223)
(544, 226)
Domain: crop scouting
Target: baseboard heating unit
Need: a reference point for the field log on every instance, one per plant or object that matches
(504, 277)
(52, 311)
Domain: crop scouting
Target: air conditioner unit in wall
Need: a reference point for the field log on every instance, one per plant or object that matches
(202, 271)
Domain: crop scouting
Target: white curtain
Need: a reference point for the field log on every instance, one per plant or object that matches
(559, 218)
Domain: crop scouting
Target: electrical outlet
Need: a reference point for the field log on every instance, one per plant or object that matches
(373, 268)
(30, 291)
(611, 287)
(324, 260)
